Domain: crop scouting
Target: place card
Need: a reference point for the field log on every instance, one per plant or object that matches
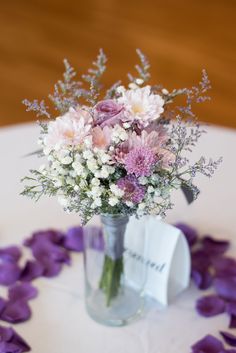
(157, 258)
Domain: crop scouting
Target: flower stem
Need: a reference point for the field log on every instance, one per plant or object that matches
(111, 277)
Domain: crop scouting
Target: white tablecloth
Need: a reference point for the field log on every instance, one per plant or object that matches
(60, 323)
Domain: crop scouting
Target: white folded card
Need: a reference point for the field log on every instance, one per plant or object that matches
(157, 257)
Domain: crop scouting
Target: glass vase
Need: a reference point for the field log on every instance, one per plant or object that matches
(112, 296)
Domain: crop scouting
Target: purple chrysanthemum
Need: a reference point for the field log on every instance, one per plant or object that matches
(133, 191)
(139, 161)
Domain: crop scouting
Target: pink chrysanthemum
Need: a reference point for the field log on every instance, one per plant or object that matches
(133, 191)
(140, 161)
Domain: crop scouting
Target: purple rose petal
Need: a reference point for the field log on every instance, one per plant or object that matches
(202, 279)
(16, 312)
(189, 232)
(226, 287)
(20, 342)
(231, 308)
(229, 351)
(210, 305)
(200, 261)
(22, 291)
(232, 322)
(213, 246)
(6, 333)
(74, 239)
(6, 347)
(53, 236)
(11, 342)
(224, 266)
(208, 344)
(2, 306)
(32, 270)
(229, 338)
(44, 249)
(51, 268)
(9, 273)
(10, 254)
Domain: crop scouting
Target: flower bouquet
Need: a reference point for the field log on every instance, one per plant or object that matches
(117, 153)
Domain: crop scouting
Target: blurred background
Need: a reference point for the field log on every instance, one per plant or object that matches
(179, 37)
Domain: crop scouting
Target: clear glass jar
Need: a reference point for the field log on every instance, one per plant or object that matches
(113, 282)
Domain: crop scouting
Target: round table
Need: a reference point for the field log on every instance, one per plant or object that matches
(60, 323)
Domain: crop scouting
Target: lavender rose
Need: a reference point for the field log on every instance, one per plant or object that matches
(108, 113)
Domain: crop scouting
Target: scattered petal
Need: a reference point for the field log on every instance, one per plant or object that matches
(20, 342)
(15, 312)
(10, 254)
(43, 250)
(202, 279)
(232, 322)
(226, 287)
(208, 344)
(13, 343)
(51, 268)
(200, 261)
(229, 338)
(189, 232)
(54, 236)
(6, 347)
(210, 305)
(9, 273)
(224, 266)
(2, 305)
(6, 333)
(22, 291)
(32, 270)
(231, 308)
(74, 239)
(213, 246)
